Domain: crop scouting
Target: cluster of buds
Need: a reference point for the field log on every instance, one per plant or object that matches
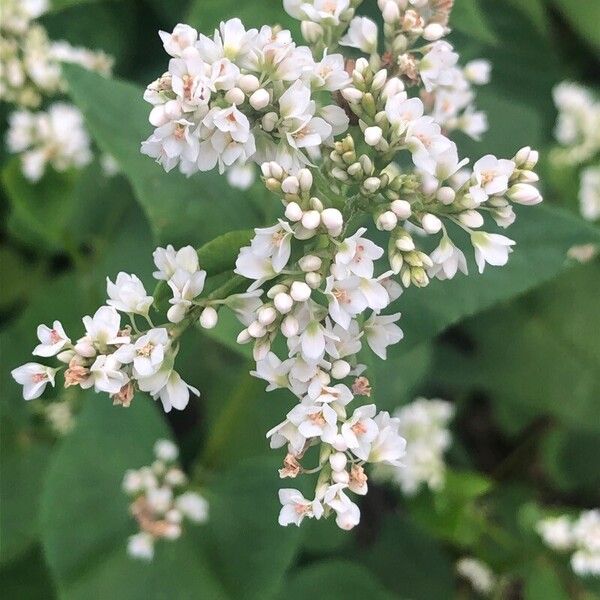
(424, 425)
(580, 536)
(161, 501)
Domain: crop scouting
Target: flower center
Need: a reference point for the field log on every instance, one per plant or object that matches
(39, 377)
(55, 337)
(146, 350)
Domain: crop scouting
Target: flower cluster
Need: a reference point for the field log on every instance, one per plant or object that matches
(239, 96)
(580, 536)
(31, 63)
(424, 425)
(578, 131)
(161, 501)
(478, 574)
(56, 137)
(321, 283)
(118, 358)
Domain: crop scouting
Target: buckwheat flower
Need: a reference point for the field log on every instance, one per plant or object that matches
(295, 507)
(193, 506)
(128, 294)
(103, 329)
(34, 378)
(185, 287)
(106, 375)
(491, 177)
(314, 420)
(241, 177)
(381, 331)
(274, 242)
(478, 71)
(346, 300)
(182, 37)
(172, 142)
(478, 574)
(556, 532)
(141, 546)
(324, 11)
(253, 266)
(360, 430)
(389, 446)
(286, 433)
(491, 248)
(435, 68)
(330, 73)
(361, 34)
(168, 260)
(589, 193)
(273, 370)
(400, 110)
(356, 255)
(447, 260)
(166, 384)
(313, 339)
(52, 341)
(347, 513)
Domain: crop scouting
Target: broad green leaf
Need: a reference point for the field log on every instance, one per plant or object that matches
(28, 578)
(543, 234)
(469, 18)
(406, 559)
(583, 16)
(332, 580)
(40, 211)
(549, 333)
(15, 287)
(180, 210)
(542, 582)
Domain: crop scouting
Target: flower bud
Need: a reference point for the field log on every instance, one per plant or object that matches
(313, 279)
(379, 80)
(311, 32)
(405, 243)
(401, 208)
(259, 99)
(209, 317)
(300, 291)
(332, 219)
(235, 96)
(311, 219)
(316, 204)
(310, 262)
(431, 224)
(340, 369)
(276, 289)
(446, 195)
(372, 184)
(373, 135)
(276, 170)
(243, 337)
(387, 221)
(290, 185)
(433, 32)
(290, 326)
(524, 193)
(305, 179)
(283, 302)
(471, 218)
(391, 12)
(256, 329)
(526, 176)
(266, 315)
(352, 95)
(340, 476)
(269, 121)
(293, 212)
(248, 83)
(338, 461)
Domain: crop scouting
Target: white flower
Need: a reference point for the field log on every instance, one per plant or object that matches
(362, 34)
(167, 261)
(436, 66)
(241, 177)
(491, 177)
(319, 11)
(106, 375)
(275, 243)
(330, 73)
(147, 354)
(182, 37)
(478, 574)
(400, 110)
(556, 532)
(286, 433)
(128, 294)
(348, 513)
(193, 506)
(172, 142)
(491, 248)
(295, 507)
(273, 370)
(478, 71)
(166, 450)
(447, 260)
(166, 384)
(360, 430)
(34, 378)
(389, 446)
(52, 341)
(346, 300)
(381, 331)
(141, 546)
(185, 287)
(589, 193)
(356, 255)
(314, 420)
(103, 329)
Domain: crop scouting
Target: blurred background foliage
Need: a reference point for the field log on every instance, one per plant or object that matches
(517, 350)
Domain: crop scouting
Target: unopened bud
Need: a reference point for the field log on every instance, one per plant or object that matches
(401, 208)
(310, 262)
(248, 83)
(311, 219)
(332, 219)
(373, 135)
(290, 185)
(431, 224)
(235, 96)
(290, 326)
(313, 279)
(300, 291)
(340, 369)
(391, 12)
(338, 461)
(256, 329)
(259, 99)
(524, 193)
(208, 317)
(269, 121)
(312, 32)
(379, 80)
(243, 337)
(372, 184)
(305, 179)
(446, 195)
(387, 221)
(283, 302)
(293, 212)
(340, 476)
(471, 218)
(433, 32)
(352, 95)
(266, 315)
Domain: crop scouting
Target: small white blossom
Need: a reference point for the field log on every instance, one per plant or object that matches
(128, 294)
(34, 378)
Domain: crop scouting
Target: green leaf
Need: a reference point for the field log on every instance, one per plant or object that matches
(180, 210)
(543, 234)
(40, 211)
(549, 333)
(469, 18)
(28, 578)
(583, 16)
(332, 580)
(543, 583)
